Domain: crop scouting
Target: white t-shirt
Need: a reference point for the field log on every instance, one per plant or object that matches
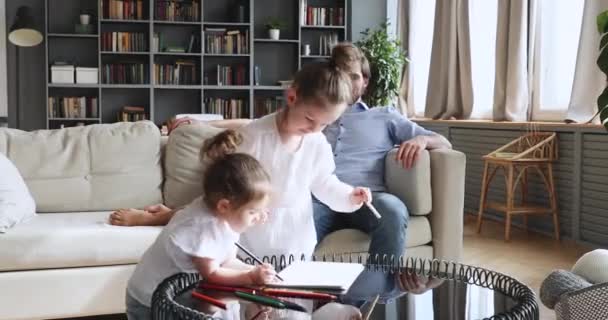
(290, 226)
(192, 232)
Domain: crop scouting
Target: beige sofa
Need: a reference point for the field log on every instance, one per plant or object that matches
(69, 262)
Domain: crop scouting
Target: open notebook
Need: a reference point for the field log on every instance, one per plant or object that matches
(334, 277)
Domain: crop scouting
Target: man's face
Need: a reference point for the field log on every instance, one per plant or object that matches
(358, 82)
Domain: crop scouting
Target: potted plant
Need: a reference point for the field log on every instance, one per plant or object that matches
(602, 62)
(274, 26)
(386, 61)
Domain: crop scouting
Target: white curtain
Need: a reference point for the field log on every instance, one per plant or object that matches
(415, 31)
(589, 81)
(450, 89)
(511, 86)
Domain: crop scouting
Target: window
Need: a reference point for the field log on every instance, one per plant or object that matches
(422, 17)
(482, 27)
(557, 38)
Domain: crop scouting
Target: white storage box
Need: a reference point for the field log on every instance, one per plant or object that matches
(86, 75)
(62, 74)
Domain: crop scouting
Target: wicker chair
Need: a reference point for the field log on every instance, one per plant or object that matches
(532, 152)
(585, 304)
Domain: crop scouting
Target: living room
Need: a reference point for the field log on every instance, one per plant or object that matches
(473, 134)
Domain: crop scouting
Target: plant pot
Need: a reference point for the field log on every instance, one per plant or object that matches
(274, 34)
(85, 19)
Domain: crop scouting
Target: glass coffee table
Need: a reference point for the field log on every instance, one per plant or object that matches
(458, 292)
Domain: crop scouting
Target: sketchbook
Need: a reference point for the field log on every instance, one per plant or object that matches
(324, 276)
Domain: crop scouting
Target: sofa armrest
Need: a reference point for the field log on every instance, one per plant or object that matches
(412, 186)
(434, 184)
(447, 180)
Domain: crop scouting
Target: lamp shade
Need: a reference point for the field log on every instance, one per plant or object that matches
(22, 33)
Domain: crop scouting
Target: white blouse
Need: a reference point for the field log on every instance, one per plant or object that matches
(290, 226)
(192, 232)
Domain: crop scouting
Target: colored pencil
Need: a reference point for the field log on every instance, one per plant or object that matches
(373, 210)
(252, 256)
(209, 299)
(299, 294)
(371, 308)
(210, 286)
(267, 301)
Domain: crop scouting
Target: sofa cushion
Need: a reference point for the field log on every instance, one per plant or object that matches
(413, 186)
(351, 240)
(93, 168)
(183, 169)
(78, 239)
(16, 202)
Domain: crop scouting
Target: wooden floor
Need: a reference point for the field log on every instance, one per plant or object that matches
(527, 257)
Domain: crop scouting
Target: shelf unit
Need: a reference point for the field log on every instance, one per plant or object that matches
(277, 59)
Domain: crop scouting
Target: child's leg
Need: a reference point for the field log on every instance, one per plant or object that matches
(136, 310)
(136, 217)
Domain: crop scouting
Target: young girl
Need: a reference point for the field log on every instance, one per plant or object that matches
(201, 237)
(290, 146)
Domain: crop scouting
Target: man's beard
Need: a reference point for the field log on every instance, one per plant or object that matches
(355, 97)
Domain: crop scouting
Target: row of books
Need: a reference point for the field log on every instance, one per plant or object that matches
(327, 42)
(73, 107)
(229, 108)
(231, 76)
(159, 45)
(178, 10)
(182, 72)
(123, 41)
(122, 9)
(132, 113)
(124, 73)
(221, 41)
(265, 105)
(321, 16)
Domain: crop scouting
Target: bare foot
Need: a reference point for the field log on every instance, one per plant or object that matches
(133, 217)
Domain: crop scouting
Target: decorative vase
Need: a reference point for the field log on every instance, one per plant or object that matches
(274, 34)
(85, 19)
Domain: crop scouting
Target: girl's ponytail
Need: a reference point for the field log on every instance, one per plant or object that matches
(221, 145)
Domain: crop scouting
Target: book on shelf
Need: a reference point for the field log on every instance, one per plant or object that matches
(266, 105)
(178, 10)
(222, 41)
(231, 75)
(72, 107)
(321, 16)
(132, 113)
(122, 9)
(327, 42)
(123, 41)
(179, 73)
(124, 73)
(192, 45)
(228, 108)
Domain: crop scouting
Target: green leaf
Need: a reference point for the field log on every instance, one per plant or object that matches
(604, 41)
(386, 59)
(602, 60)
(602, 22)
(604, 117)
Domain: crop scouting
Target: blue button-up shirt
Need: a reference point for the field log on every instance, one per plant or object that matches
(361, 138)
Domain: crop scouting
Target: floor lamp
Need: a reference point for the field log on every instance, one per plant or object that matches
(23, 34)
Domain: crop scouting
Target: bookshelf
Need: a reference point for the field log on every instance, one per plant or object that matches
(141, 46)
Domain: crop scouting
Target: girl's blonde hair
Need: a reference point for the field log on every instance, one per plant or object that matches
(323, 84)
(229, 175)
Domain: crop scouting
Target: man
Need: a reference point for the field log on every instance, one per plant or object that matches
(360, 140)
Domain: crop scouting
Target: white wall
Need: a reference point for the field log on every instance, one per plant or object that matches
(366, 14)
(3, 84)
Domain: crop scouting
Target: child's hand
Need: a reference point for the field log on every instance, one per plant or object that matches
(262, 274)
(360, 195)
